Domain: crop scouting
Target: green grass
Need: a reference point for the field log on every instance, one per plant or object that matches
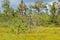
(44, 33)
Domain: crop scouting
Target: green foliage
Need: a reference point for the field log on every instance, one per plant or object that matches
(24, 27)
(12, 27)
(58, 0)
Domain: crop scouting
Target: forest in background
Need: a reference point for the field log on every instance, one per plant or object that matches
(25, 18)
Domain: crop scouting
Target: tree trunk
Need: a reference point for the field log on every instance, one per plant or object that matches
(18, 29)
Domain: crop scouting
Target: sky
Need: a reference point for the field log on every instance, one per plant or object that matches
(14, 3)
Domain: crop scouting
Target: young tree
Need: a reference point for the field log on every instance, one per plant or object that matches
(22, 8)
(37, 6)
(6, 6)
(53, 12)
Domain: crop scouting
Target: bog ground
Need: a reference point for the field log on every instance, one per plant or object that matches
(45, 33)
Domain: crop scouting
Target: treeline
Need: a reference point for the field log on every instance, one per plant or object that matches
(25, 17)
